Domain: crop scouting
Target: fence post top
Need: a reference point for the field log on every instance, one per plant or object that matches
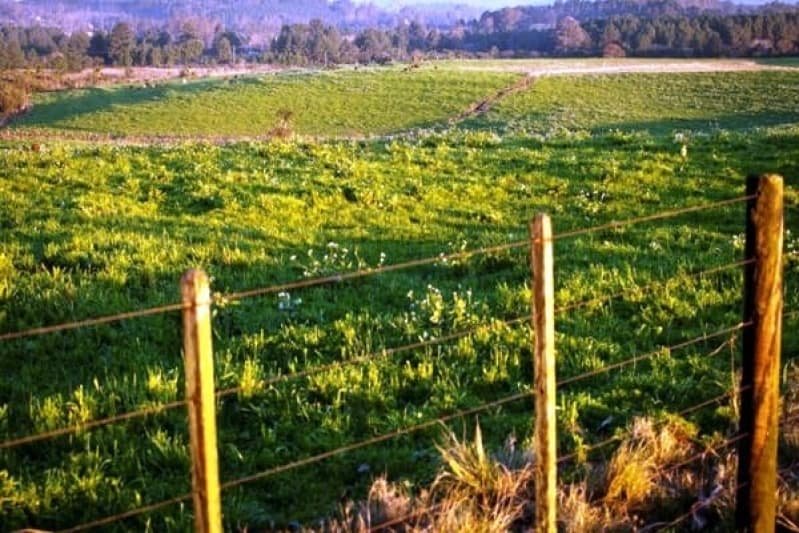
(194, 276)
(773, 180)
(194, 284)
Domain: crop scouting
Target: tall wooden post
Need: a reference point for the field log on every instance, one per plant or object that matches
(543, 303)
(199, 367)
(759, 429)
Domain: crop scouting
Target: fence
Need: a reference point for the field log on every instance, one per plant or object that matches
(759, 396)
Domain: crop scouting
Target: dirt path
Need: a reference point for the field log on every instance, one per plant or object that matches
(485, 105)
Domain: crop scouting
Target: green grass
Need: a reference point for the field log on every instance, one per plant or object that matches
(338, 103)
(650, 102)
(93, 230)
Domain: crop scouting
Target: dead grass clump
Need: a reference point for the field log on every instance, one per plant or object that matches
(386, 503)
(475, 492)
(659, 473)
(577, 512)
(633, 474)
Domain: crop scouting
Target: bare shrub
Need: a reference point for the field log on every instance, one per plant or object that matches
(14, 98)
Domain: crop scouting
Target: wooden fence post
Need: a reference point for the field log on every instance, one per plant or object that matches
(543, 297)
(199, 367)
(759, 429)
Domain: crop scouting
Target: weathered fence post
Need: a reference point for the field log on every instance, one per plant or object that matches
(759, 429)
(199, 367)
(546, 479)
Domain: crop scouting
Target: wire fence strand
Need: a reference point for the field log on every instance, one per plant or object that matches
(224, 298)
(335, 278)
(652, 285)
(649, 355)
(650, 218)
(33, 332)
(127, 514)
(374, 440)
(465, 333)
(625, 434)
(714, 450)
(12, 443)
(347, 276)
(372, 356)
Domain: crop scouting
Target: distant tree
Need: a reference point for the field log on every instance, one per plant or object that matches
(191, 50)
(348, 52)
(644, 40)
(374, 45)
(98, 47)
(155, 56)
(41, 41)
(12, 55)
(325, 45)
(400, 40)
(570, 37)
(610, 34)
(76, 53)
(223, 50)
(121, 43)
(417, 36)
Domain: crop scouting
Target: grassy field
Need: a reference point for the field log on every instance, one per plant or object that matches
(657, 103)
(324, 104)
(90, 230)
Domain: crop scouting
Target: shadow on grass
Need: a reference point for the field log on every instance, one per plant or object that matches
(541, 123)
(63, 107)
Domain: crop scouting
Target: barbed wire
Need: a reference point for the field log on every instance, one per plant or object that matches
(127, 514)
(714, 450)
(375, 440)
(649, 355)
(93, 424)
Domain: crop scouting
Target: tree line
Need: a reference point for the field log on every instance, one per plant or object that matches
(704, 35)
(122, 46)
(316, 43)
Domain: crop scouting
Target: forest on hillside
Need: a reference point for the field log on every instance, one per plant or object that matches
(320, 44)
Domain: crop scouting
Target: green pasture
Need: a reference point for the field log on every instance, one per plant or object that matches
(89, 230)
(347, 103)
(658, 103)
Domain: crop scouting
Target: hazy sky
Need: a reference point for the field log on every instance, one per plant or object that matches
(489, 4)
(497, 4)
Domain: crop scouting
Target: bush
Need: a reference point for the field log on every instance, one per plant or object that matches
(13, 99)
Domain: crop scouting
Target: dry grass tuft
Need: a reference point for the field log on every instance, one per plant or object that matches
(650, 480)
(633, 474)
(477, 493)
